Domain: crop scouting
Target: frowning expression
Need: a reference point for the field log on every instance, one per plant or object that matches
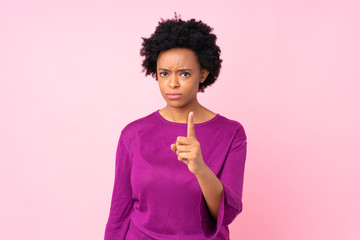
(179, 74)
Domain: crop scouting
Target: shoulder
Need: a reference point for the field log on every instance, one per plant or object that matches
(231, 125)
(129, 132)
(144, 122)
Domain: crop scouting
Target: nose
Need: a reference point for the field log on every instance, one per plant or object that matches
(173, 81)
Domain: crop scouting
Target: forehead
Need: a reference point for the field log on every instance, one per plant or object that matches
(178, 57)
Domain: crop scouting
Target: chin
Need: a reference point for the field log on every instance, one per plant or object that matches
(175, 104)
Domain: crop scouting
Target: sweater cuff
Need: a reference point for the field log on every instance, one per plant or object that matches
(116, 230)
(230, 207)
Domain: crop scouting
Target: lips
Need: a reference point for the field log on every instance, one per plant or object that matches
(173, 95)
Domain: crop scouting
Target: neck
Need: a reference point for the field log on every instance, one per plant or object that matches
(180, 115)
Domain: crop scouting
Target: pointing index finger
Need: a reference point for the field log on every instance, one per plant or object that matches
(190, 126)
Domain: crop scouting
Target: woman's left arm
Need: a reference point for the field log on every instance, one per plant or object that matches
(212, 190)
(221, 196)
(214, 215)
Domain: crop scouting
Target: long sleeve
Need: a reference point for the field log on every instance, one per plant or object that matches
(122, 202)
(231, 176)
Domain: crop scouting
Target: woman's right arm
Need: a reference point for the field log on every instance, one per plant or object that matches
(121, 202)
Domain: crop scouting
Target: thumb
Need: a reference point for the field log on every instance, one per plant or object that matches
(173, 147)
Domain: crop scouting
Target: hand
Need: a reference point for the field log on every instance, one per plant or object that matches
(188, 148)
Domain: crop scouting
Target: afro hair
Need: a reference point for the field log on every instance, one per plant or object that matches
(191, 34)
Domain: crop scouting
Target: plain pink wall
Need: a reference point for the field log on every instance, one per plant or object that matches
(70, 80)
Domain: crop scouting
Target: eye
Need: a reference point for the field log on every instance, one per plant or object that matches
(163, 74)
(185, 74)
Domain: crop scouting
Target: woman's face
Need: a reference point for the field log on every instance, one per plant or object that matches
(179, 72)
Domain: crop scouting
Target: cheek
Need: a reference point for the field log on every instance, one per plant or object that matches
(194, 85)
(161, 85)
(163, 89)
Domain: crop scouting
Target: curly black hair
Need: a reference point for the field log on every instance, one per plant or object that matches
(176, 33)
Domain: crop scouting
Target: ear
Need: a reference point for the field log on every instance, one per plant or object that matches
(204, 73)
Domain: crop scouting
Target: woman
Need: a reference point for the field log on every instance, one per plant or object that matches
(179, 170)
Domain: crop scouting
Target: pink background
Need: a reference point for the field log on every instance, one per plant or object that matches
(70, 80)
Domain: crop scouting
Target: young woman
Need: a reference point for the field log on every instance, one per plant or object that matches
(179, 170)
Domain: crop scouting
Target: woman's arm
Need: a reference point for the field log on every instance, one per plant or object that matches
(212, 190)
(221, 199)
(121, 202)
(231, 177)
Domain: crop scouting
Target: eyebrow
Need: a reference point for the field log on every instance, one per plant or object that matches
(180, 70)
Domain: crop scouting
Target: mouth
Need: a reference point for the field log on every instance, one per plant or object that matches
(173, 95)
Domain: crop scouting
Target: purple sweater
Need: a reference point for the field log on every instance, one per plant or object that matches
(155, 196)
